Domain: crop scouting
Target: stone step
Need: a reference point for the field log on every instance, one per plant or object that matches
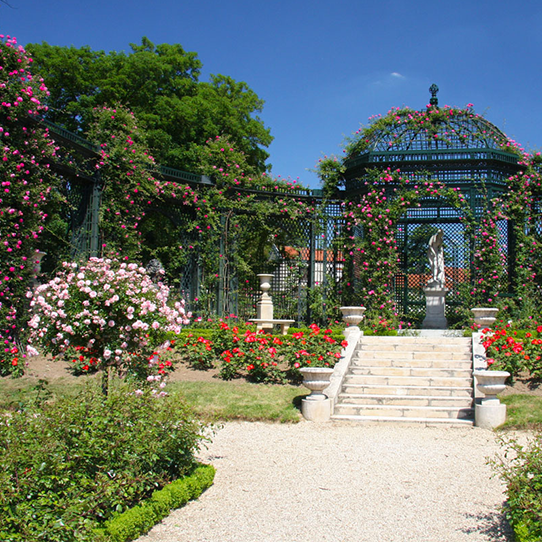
(387, 419)
(465, 364)
(420, 381)
(408, 355)
(406, 400)
(392, 391)
(387, 347)
(402, 340)
(409, 379)
(397, 411)
(411, 371)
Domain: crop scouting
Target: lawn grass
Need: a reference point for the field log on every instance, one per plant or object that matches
(219, 400)
(522, 412)
(222, 400)
(242, 401)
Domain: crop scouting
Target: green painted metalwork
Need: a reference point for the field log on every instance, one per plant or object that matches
(307, 259)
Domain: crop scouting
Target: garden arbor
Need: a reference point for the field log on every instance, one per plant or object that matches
(363, 240)
(411, 173)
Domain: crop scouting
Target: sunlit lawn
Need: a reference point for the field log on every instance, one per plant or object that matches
(222, 400)
(210, 400)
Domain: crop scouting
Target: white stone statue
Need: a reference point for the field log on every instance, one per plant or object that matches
(435, 253)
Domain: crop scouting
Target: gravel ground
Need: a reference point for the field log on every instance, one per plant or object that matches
(344, 482)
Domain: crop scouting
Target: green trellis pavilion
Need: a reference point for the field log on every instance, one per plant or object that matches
(465, 160)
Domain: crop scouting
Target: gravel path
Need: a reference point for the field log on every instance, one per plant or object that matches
(340, 482)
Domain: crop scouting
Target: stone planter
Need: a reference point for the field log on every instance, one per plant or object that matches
(490, 412)
(352, 316)
(485, 316)
(316, 407)
(316, 379)
(491, 383)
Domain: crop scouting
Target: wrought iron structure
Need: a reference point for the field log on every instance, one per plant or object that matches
(462, 151)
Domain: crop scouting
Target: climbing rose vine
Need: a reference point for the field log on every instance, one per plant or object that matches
(27, 189)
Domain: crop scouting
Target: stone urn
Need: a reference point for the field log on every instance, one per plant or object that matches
(489, 412)
(316, 379)
(485, 316)
(265, 281)
(490, 383)
(352, 316)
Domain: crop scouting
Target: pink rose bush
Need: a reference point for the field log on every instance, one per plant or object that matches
(106, 314)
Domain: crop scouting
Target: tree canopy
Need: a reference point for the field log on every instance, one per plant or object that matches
(160, 84)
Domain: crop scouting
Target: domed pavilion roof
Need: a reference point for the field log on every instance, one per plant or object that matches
(456, 146)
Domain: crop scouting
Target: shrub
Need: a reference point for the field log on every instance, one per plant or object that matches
(68, 465)
(521, 470)
(514, 350)
(105, 314)
(138, 520)
(28, 193)
(261, 357)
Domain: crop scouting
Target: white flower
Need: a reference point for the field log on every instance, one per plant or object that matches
(31, 351)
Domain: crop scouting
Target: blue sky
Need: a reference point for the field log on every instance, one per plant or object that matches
(323, 68)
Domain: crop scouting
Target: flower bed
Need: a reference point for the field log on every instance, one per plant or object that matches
(240, 350)
(514, 350)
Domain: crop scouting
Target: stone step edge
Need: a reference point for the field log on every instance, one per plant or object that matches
(394, 386)
(375, 339)
(410, 381)
(389, 419)
(406, 397)
(405, 407)
(416, 369)
(397, 355)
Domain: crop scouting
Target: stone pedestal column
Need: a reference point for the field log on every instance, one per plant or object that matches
(264, 307)
(434, 308)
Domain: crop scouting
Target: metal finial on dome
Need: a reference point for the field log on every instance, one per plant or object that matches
(433, 89)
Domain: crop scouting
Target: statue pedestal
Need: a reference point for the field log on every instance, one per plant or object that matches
(434, 307)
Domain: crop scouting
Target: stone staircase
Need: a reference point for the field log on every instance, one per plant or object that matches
(409, 379)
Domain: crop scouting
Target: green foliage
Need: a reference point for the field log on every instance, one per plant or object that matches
(160, 84)
(70, 464)
(515, 347)
(138, 520)
(128, 187)
(240, 351)
(520, 467)
(28, 193)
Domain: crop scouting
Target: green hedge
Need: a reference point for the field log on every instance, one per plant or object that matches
(139, 520)
(72, 463)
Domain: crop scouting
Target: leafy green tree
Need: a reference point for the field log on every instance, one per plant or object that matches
(160, 84)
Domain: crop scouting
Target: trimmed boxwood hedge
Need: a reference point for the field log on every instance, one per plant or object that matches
(139, 520)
